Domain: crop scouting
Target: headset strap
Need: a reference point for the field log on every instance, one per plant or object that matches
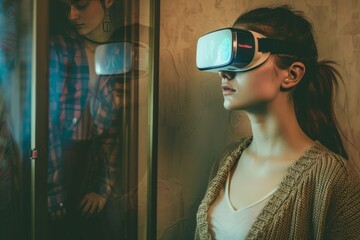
(277, 46)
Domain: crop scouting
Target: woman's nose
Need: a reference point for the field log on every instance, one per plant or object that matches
(73, 13)
(227, 75)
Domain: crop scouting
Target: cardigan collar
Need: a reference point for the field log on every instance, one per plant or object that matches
(266, 215)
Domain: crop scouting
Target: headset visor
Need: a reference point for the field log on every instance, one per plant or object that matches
(238, 50)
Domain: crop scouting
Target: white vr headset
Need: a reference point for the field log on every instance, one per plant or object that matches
(239, 50)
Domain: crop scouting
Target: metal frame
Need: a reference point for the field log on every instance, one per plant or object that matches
(151, 230)
(39, 119)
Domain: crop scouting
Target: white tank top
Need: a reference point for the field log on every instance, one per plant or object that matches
(226, 223)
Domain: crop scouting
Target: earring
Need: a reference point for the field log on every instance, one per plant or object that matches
(107, 26)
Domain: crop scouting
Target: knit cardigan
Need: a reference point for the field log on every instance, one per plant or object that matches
(318, 198)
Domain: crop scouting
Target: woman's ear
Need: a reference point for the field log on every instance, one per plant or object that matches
(295, 73)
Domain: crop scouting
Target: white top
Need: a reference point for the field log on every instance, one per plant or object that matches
(226, 223)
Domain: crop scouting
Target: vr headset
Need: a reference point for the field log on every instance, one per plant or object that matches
(239, 50)
(125, 59)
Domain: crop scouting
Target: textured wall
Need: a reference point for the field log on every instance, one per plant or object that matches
(194, 127)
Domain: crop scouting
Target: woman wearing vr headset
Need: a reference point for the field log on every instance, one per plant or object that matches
(84, 122)
(291, 179)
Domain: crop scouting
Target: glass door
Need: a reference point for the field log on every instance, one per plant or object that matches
(100, 157)
(78, 119)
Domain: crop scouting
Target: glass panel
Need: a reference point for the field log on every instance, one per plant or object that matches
(98, 119)
(15, 79)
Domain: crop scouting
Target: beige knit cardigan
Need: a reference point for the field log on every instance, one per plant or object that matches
(319, 198)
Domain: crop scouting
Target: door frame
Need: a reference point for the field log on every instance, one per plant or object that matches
(39, 119)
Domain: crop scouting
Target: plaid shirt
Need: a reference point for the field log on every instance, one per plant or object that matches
(69, 95)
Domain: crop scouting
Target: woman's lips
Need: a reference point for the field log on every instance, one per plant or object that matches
(227, 89)
(79, 26)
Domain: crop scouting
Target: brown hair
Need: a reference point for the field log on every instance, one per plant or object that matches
(313, 96)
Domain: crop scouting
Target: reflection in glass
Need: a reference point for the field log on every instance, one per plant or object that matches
(122, 57)
(93, 162)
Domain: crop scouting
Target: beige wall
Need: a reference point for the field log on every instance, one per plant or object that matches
(194, 127)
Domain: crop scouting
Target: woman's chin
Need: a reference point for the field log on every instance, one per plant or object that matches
(227, 106)
(83, 32)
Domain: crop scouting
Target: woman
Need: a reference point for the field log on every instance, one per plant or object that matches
(84, 147)
(291, 179)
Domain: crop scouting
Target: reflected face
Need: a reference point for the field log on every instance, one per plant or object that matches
(85, 15)
(251, 89)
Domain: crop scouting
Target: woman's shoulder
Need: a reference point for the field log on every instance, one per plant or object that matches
(238, 145)
(329, 166)
(323, 156)
(64, 40)
(233, 151)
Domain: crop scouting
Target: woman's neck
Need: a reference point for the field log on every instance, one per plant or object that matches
(277, 133)
(99, 37)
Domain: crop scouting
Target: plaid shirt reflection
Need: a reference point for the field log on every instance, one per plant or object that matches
(69, 96)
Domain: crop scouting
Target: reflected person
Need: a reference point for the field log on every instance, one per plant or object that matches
(84, 123)
(291, 179)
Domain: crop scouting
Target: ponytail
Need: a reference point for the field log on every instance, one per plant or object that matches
(313, 101)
